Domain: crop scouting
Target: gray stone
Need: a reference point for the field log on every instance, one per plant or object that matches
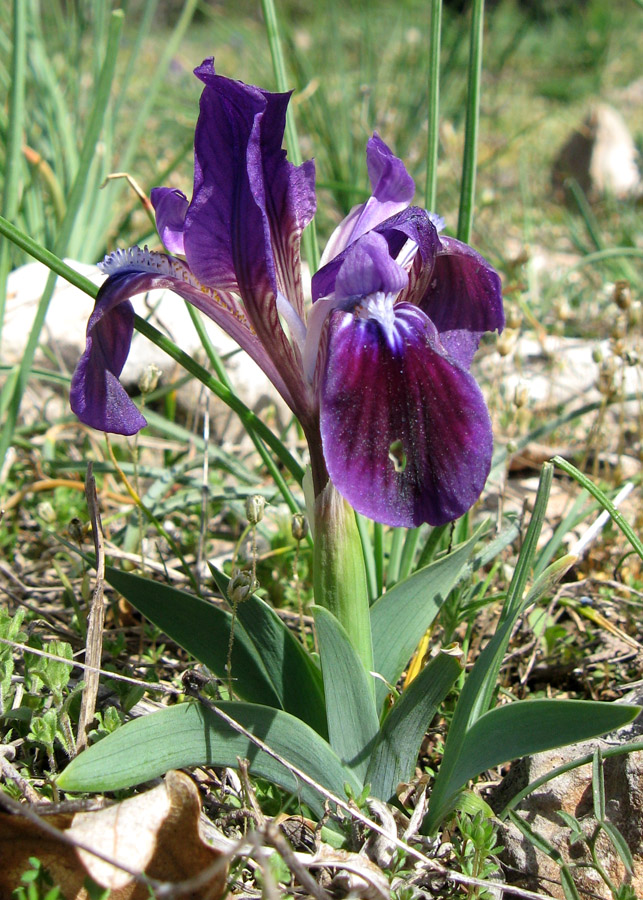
(571, 792)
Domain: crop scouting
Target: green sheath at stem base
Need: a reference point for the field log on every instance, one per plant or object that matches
(339, 576)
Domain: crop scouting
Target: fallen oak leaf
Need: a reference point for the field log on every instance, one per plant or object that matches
(155, 834)
(22, 838)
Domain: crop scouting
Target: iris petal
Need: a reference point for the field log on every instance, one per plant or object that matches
(96, 395)
(412, 224)
(222, 202)
(406, 433)
(463, 299)
(368, 268)
(392, 191)
(249, 207)
(170, 207)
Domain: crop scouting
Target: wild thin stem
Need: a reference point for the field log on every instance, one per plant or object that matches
(12, 163)
(433, 138)
(309, 239)
(470, 157)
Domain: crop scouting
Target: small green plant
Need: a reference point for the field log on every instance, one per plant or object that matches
(10, 630)
(475, 846)
(37, 884)
(54, 725)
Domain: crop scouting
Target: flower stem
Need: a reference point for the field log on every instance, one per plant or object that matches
(339, 577)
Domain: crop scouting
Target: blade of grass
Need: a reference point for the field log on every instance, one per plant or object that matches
(309, 237)
(143, 31)
(12, 163)
(469, 161)
(60, 114)
(395, 556)
(607, 752)
(408, 553)
(433, 138)
(156, 82)
(369, 557)
(103, 89)
(378, 549)
(604, 501)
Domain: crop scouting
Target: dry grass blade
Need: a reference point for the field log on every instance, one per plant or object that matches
(95, 625)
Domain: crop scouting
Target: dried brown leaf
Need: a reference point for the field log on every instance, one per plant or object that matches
(154, 834)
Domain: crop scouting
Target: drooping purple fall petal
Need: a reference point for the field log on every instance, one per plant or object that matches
(463, 299)
(96, 395)
(406, 433)
(97, 398)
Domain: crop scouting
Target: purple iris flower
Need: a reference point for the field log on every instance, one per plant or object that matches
(377, 370)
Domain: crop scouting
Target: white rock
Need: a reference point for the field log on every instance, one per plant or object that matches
(613, 168)
(601, 155)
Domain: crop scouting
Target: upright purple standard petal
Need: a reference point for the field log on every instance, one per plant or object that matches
(406, 433)
(170, 206)
(463, 299)
(249, 207)
(392, 191)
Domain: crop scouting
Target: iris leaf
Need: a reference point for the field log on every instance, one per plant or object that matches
(202, 629)
(396, 751)
(402, 615)
(352, 718)
(293, 674)
(190, 735)
(531, 726)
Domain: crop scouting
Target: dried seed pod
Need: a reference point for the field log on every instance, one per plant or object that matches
(622, 294)
(514, 317)
(506, 342)
(606, 373)
(299, 525)
(255, 505)
(75, 529)
(618, 329)
(149, 380)
(521, 395)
